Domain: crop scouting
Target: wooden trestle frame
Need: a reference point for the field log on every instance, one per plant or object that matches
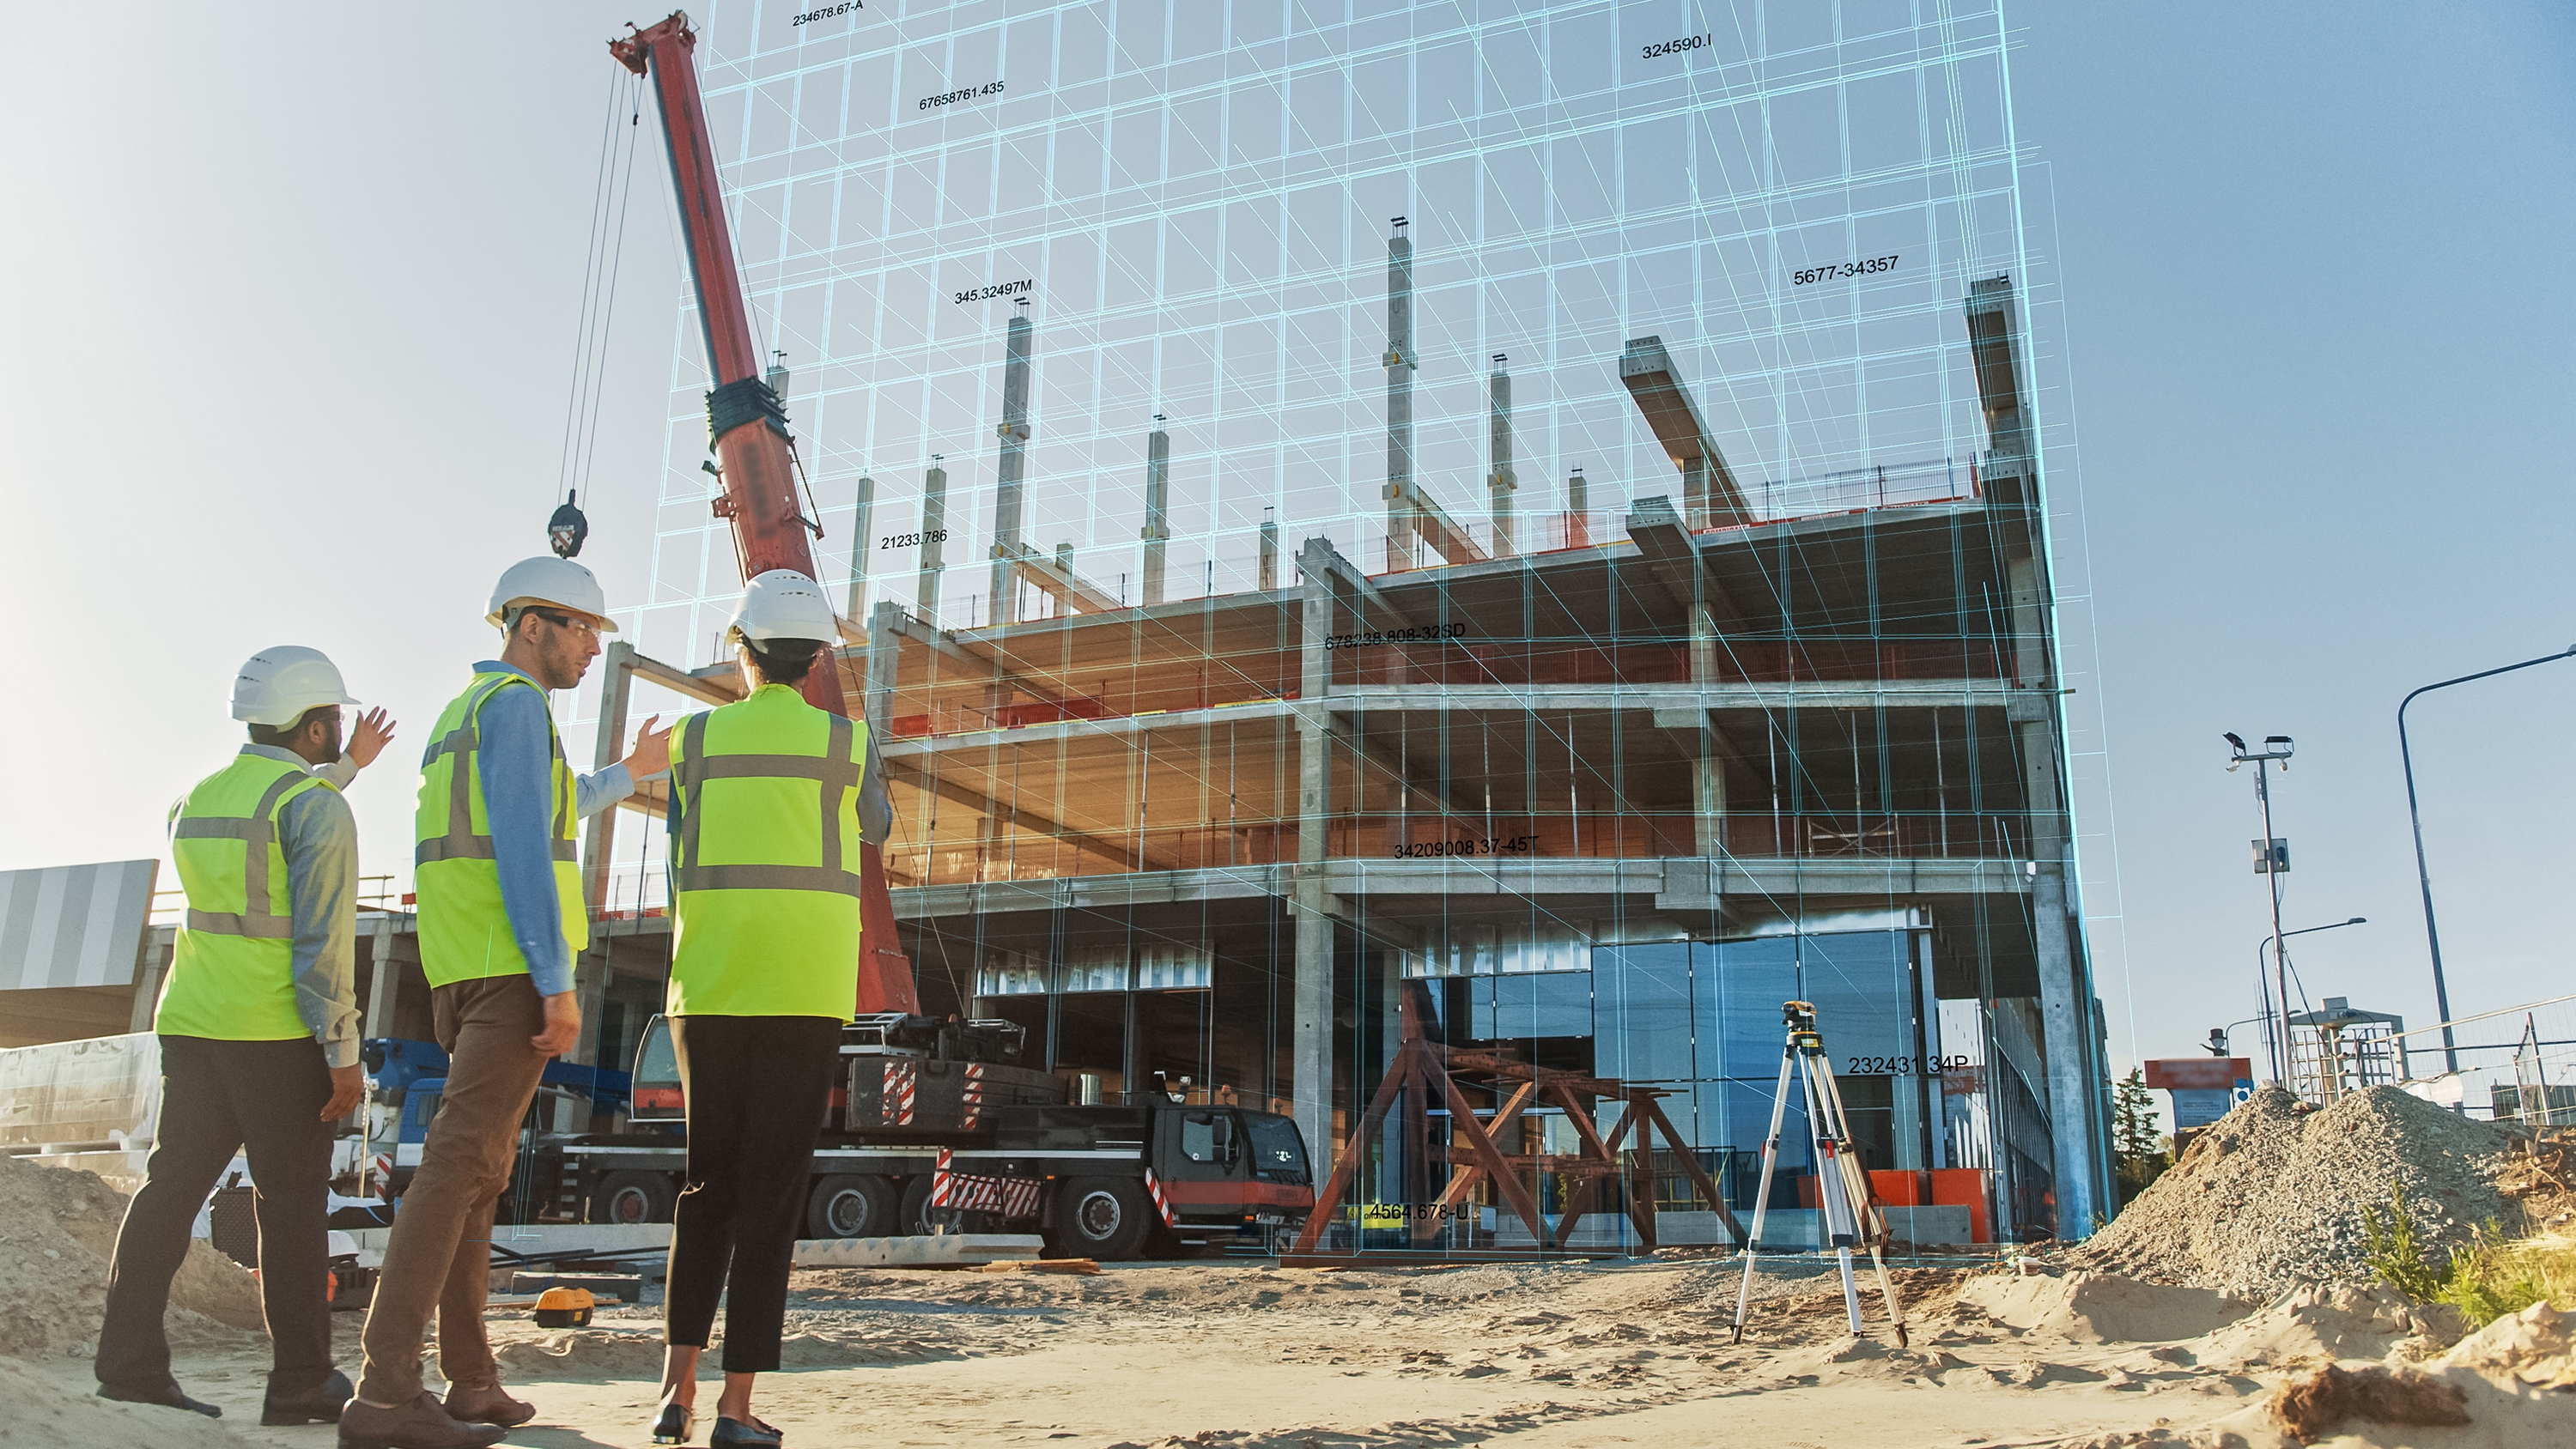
(1424, 1068)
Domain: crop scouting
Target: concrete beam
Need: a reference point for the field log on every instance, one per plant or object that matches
(1678, 883)
(1674, 561)
(1049, 577)
(1349, 587)
(1672, 415)
(1744, 696)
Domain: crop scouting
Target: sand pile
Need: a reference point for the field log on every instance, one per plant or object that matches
(2100, 1307)
(2270, 1197)
(57, 1230)
(40, 1411)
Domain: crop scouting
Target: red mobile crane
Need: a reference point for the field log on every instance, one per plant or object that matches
(755, 454)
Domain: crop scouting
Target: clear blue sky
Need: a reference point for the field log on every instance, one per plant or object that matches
(291, 327)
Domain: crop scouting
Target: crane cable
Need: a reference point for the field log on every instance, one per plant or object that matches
(602, 261)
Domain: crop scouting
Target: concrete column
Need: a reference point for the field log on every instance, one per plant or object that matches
(859, 530)
(384, 987)
(1578, 507)
(1007, 477)
(934, 527)
(1708, 794)
(151, 967)
(2066, 1012)
(877, 702)
(1311, 1043)
(1269, 574)
(1158, 494)
(1399, 399)
(599, 842)
(1500, 483)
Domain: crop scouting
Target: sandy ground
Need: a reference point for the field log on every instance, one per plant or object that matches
(1238, 1354)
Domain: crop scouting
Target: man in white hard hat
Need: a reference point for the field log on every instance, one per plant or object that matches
(501, 916)
(771, 799)
(258, 1026)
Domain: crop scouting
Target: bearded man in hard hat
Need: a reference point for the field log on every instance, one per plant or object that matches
(258, 1026)
(770, 800)
(501, 916)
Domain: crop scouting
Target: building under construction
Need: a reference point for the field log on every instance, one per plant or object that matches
(1619, 782)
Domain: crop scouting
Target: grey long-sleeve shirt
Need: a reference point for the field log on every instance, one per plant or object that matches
(320, 839)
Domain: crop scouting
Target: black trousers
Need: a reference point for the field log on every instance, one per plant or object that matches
(757, 1090)
(218, 1097)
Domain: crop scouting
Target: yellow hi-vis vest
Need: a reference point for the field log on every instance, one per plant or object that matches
(764, 859)
(464, 927)
(232, 968)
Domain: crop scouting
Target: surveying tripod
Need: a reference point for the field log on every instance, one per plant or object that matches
(1842, 1187)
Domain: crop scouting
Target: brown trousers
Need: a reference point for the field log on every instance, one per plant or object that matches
(439, 1255)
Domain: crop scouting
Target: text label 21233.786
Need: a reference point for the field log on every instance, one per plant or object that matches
(1904, 1066)
(913, 540)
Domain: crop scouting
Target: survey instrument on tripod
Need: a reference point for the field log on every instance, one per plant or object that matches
(1851, 1219)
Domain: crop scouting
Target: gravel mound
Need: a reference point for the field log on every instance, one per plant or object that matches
(2270, 1197)
(57, 1231)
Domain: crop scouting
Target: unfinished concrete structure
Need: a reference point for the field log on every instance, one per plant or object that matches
(1617, 793)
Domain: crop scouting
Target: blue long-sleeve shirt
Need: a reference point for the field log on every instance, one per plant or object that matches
(515, 758)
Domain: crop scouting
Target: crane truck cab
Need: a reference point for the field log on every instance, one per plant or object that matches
(935, 1126)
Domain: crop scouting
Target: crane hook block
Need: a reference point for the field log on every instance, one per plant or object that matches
(567, 530)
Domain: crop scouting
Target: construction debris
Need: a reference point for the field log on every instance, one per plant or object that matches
(2271, 1196)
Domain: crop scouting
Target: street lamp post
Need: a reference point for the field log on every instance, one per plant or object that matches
(2272, 943)
(2271, 860)
(2423, 876)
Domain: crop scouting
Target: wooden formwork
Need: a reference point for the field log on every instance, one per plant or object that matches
(1424, 1069)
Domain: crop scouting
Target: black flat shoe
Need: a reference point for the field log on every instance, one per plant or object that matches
(320, 1404)
(167, 1395)
(735, 1434)
(674, 1424)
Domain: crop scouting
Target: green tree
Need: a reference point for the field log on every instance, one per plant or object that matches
(2135, 1143)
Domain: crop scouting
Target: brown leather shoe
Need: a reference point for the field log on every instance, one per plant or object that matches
(487, 1404)
(420, 1424)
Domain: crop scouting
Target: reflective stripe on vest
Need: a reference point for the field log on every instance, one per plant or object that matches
(232, 965)
(764, 880)
(833, 772)
(464, 922)
(461, 842)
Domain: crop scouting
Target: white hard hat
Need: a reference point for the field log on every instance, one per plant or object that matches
(550, 580)
(276, 686)
(784, 604)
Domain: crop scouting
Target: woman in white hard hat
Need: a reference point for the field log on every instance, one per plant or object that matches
(770, 799)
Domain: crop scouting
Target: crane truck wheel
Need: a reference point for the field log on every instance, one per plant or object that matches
(851, 1205)
(632, 1197)
(913, 1218)
(1102, 1217)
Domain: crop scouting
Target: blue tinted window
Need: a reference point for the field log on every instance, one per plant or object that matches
(1554, 1003)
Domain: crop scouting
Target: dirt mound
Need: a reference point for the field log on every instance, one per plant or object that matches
(57, 1230)
(2271, 1196)
(2536, 1347)
(2102, 1307)
(41, 1411)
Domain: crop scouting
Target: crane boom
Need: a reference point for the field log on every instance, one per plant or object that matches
(748, 426)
